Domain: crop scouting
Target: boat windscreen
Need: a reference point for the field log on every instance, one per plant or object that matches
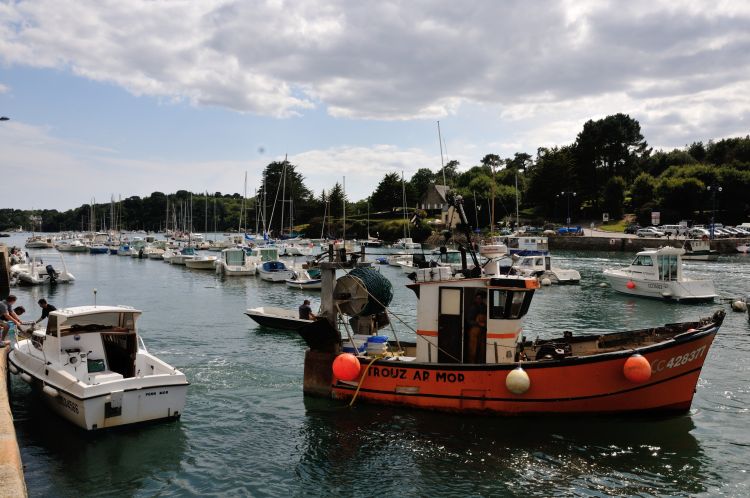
(235, 258)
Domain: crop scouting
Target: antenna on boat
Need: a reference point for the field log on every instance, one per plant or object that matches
(458, 205)
(94, 297)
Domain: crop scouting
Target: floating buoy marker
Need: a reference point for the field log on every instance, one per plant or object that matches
(630, 284)
(637, 369)
(346, 367)
(518, 381)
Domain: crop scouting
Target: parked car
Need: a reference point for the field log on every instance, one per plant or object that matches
(742, 232)
(698, 233)
(649, 232)
(632, 228)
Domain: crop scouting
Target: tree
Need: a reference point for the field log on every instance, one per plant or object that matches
(614, 197)
(451, 173)
(552, 173)
(609, 147)
(336, 198)
(389, 195)
(643, 190)
(421, 180)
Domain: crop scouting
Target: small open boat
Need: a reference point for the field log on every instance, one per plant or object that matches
(301, 279)
(277, 318)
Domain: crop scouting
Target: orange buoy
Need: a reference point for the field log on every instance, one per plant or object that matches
(630, 284)
(637, 369)
(346, 367)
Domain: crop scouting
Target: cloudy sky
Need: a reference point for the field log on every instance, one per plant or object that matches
(110, 97)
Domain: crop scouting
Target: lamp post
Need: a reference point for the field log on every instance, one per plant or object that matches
(714, 189)
(567, 195)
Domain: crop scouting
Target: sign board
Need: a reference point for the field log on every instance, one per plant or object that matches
(605, 217)
(655, 218)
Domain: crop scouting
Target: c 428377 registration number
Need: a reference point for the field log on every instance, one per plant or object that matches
(676, 361)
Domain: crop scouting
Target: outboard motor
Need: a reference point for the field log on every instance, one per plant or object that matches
(51, 273)
(140, 253)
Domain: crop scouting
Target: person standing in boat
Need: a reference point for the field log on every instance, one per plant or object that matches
(305, 312)
(46, 309)
(476, 324)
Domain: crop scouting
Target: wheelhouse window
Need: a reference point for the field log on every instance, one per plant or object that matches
(643, 261)
(509, 305)
(497, 304)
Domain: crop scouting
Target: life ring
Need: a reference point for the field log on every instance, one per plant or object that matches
(704, 237)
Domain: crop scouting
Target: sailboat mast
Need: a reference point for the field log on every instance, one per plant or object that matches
(403, 194)
(442, 163)
(283, 196)
(343, 199)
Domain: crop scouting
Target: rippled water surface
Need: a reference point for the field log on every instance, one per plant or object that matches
(248, 430)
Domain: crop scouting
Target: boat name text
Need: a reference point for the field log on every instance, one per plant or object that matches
(679, 360)
(73, 407)
(154, 393)
(422, 375)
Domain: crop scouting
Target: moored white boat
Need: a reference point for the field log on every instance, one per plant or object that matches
(301, 279)
(541, 267)
(42, 268)
(71, 246)
(657, 273)
(274, 271)
(234, 262)
(201, 263)
(699, 250)
(92, 368)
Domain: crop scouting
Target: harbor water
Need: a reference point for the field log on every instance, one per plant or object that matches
(247, 429)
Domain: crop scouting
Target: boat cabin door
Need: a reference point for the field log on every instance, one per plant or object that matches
(450, 325)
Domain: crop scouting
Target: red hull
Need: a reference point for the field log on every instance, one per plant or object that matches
(587, 384)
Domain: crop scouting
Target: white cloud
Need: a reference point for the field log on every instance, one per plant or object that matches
(385, 60)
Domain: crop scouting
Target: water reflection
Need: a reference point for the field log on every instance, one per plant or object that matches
(452, 454)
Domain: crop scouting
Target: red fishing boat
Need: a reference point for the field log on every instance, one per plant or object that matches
(471, 355)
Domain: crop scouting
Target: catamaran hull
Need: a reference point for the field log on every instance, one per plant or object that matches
(591, 385)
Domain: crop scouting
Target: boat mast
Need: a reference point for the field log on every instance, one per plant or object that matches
(283, 196)
(344, 211)
(403, 194)
(325, 211)
(517, 220)
(442, 163)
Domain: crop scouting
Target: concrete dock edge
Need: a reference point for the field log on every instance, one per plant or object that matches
(11, 469)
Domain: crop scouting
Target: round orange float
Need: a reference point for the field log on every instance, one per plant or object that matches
(637, 369)
(346, 367)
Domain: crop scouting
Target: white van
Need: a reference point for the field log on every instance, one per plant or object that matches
(674, 230)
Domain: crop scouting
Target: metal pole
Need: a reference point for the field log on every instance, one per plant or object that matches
(442, 164)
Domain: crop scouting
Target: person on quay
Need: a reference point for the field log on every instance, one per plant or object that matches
(7, 316)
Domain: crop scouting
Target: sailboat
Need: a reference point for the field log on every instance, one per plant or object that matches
(371, 241)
